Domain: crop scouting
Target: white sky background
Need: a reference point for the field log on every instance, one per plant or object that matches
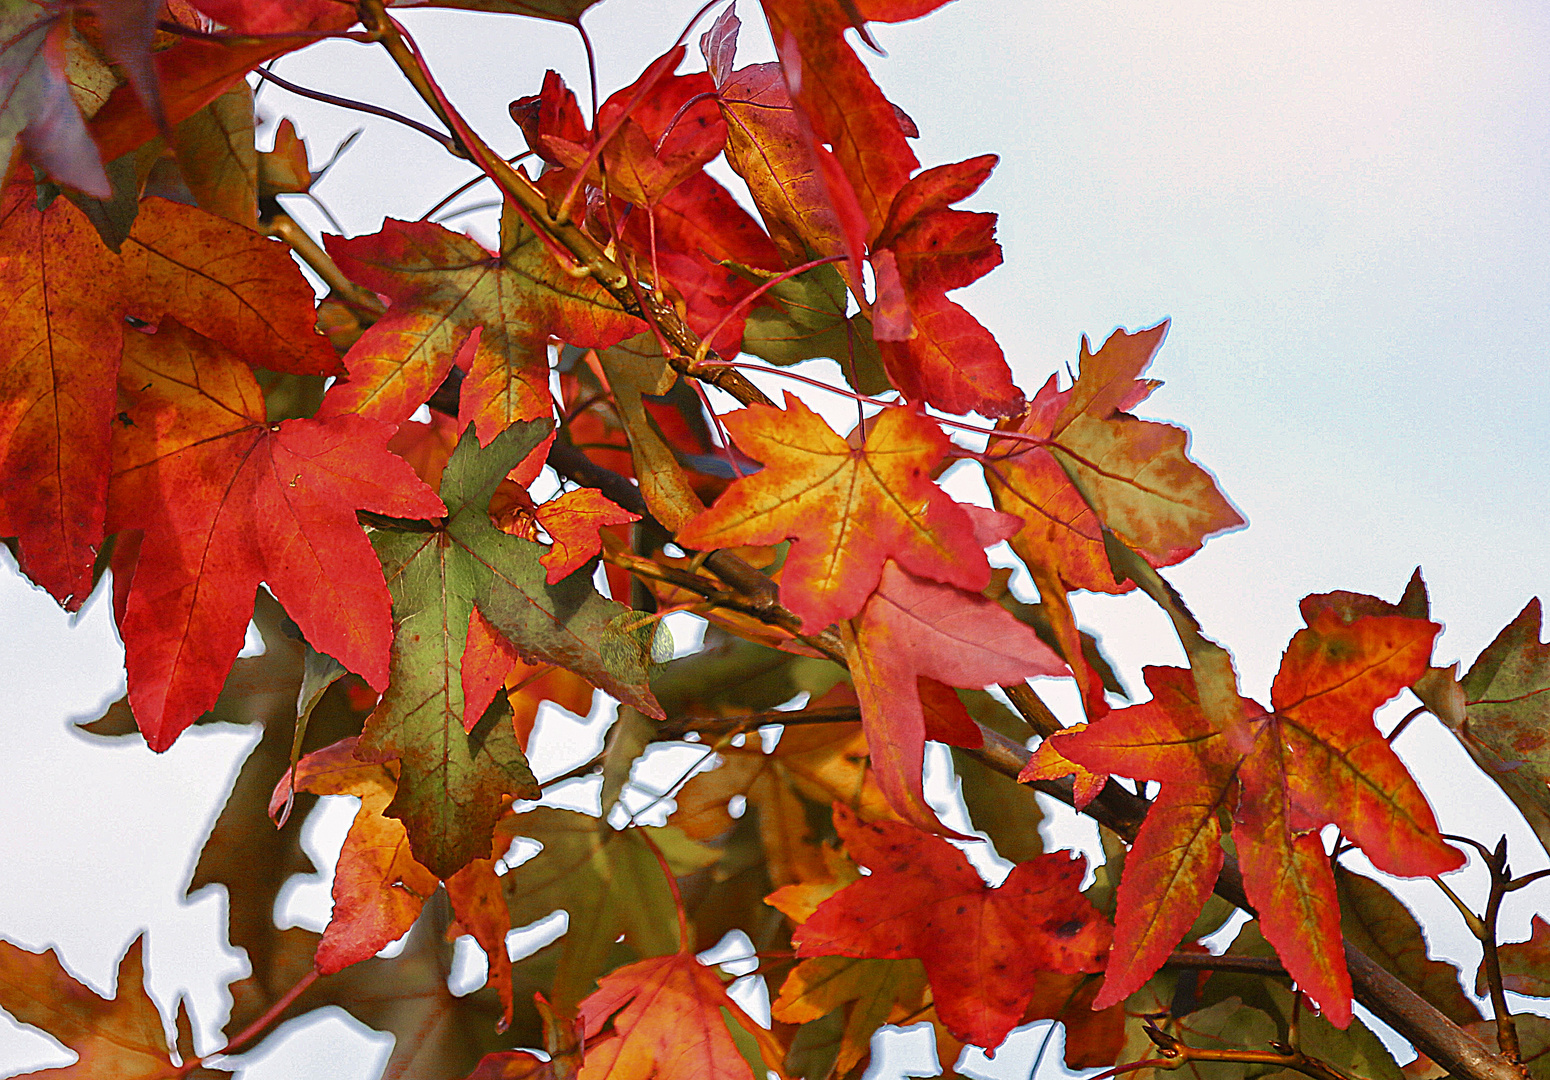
(1345, 209)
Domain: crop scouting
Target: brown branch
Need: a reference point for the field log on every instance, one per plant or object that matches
(1177, 1054)
(283, 227)
(1244, 965)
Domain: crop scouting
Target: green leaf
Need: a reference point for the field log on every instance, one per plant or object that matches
(453, 786)
(808, 321)
(607, 881)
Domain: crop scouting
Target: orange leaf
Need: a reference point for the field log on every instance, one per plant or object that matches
(379, 887)
(669, 1024)
(1048, 763)
(572, 521)
(983, 948)
(121, 1037)
(1317, 759)
(846, 510)
(226, 501)
(63, 332)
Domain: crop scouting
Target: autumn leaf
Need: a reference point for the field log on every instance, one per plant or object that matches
(658, 133)
(63, 334)
(1137, 474)
(696, 236)
(190, 74)
(1525, 964)
(982, 947)
(1317, 759)
(1506, 721)
(226, 501)
(379, 888)
(454, 785)
(445, 287)
(120, 1037)
(256, 17)
(833, 88)
(798, 188)
(805, 317)
(911, 628)
(1377, 922)
(845, 510)
(1136, 479)
(572, 521)
(938, 352)
(670, 1019)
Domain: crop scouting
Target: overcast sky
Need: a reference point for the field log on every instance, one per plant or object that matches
(1344, 209)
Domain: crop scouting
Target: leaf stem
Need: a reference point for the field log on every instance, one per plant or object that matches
(247, 1034)
(685, 942)
(359, 106)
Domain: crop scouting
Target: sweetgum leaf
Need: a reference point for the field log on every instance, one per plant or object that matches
(379, 888)
(873, 992)
(1525, 964)
(118, 1037)
(1507, 716)
(227, 500)
(910, 628)
(844, 105)
(35, 100)
(1377, 922)
(62, 334)
(846, 510)
(1317, 759)
(217, 157)
(454, 785)
(670, 1019)
(807, 215)
(804, 317)
(940, 353)
(982, 947)
(444, 287)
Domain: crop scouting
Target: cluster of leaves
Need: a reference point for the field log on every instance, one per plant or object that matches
(165, 414)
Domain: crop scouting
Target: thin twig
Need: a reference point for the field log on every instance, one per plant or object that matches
(357, 106)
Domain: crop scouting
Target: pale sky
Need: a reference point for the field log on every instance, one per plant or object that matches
(1345, 210)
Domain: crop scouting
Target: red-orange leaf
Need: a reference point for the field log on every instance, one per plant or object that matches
(36, 101)
(668, 1022)
(846, 510)
(983, 948)
(62, 327)
(1317, 759)
(226, 501)
(379, 887)
(572, 521)
(912, 627)
(845, 106)
(445, 287)
(936, 351)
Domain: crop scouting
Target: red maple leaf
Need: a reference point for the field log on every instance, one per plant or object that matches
(1136, 479)
(1316, 760)
(444, 288)
(985, 949)
(934, 350)
(845, 509)
(63, 334)
(227, 500)
(911, 628)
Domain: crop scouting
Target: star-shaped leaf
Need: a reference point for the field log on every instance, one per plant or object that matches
(444, 288)
(227, 500)
(1316, 759)
(453, 785)
(983, 948)
(845, 509)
